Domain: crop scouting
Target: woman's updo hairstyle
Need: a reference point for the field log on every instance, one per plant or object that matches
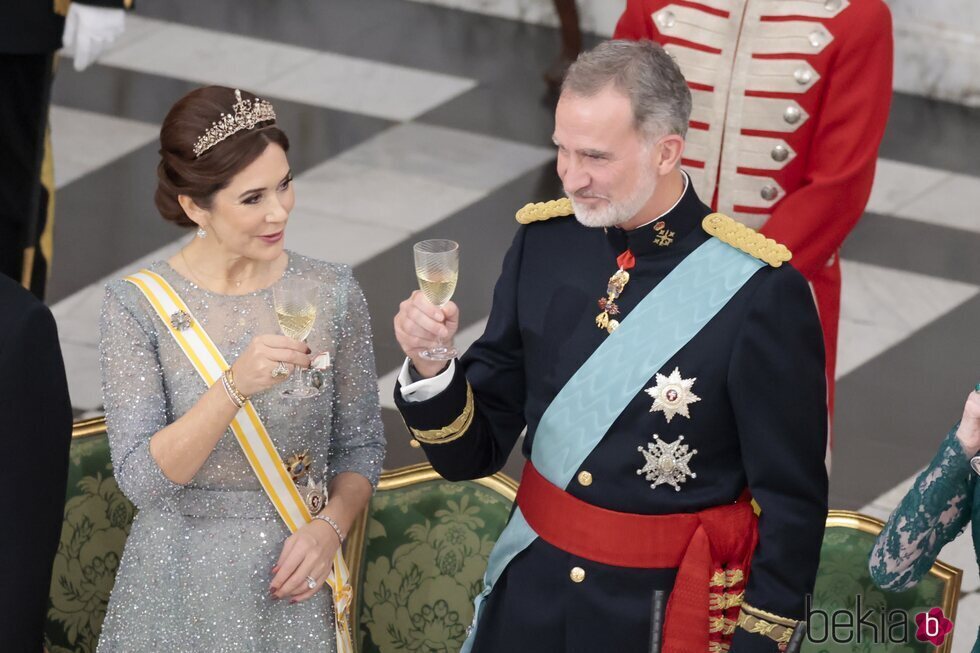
(181, 172)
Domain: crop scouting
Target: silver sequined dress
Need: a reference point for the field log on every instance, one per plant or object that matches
(196, 568)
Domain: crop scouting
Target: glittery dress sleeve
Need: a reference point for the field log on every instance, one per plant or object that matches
(932, 514)
(357, 443)
(134, 394)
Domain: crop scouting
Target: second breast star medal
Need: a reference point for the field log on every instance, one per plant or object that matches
(617, 283)
(666, 463)
(672, 395)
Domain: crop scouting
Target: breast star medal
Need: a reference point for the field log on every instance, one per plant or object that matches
(672, 395)
(666, 463)
(314, 494)
(617, 283)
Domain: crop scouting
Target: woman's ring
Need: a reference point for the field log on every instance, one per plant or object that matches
(311, 582)
(280, 371)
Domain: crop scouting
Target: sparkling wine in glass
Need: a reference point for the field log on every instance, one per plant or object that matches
(295, 301)
(437, 268)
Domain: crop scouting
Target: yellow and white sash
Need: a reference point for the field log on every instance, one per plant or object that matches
(249, 431)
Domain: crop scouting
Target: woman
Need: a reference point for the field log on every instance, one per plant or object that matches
(209, 564)
(936, 509)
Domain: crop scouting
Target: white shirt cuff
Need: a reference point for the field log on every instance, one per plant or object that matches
(426, 388)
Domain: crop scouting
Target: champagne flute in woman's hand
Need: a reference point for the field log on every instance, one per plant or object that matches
(295, 301)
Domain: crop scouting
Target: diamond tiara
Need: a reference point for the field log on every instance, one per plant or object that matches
(247, 115)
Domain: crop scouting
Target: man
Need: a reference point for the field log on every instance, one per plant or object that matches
(790, 104)
(30, 33)
(656, 403)
(36, 416)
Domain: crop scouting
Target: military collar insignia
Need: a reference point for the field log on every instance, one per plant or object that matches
(672, 395)
(666, 463)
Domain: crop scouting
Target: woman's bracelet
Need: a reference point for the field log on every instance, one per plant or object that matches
(228, 381)
(332, 523)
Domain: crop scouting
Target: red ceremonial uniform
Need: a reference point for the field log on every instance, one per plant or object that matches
(791, 98)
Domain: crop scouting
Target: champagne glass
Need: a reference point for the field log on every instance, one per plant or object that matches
(295, 300)
(437, 267)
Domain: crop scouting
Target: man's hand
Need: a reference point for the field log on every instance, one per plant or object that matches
(421, 325)
(89, 31)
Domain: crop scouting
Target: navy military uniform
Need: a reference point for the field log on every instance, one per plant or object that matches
(758, 422)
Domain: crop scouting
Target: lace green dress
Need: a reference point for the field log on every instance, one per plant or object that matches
(935, 511)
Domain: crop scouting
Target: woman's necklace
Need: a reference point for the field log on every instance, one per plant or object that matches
(237, 282)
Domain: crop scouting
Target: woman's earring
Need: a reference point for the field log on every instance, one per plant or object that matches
(201, 233)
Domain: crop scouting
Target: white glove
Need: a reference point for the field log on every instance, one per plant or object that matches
(89, 31)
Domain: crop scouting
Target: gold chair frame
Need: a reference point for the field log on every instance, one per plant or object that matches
(951, 576)
(393, 480)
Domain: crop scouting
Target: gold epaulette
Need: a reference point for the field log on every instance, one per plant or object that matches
(545, 210)
(736, 234)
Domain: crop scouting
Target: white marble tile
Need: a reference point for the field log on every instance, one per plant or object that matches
(598, 16)
(450, 156)
(84, 141)
(366, 87)
(967, 624)
(462, 341)
(896, 183)
(881, 307)
(205, 56)
(952, 203)
(279, 70)
(84, 375)
(379, 196)
(332, 238)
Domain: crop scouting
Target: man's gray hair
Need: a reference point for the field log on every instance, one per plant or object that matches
(644, 73)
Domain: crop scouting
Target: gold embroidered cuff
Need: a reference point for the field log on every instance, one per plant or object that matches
(776, 628)
(453, 431)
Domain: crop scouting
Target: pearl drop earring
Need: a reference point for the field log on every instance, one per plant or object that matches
(201, 233)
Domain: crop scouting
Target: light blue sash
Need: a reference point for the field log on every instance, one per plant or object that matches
(582, 412)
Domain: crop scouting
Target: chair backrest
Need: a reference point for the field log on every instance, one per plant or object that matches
(96, 524)
(418, 555)
(843, 577)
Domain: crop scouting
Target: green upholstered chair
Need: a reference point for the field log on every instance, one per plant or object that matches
(418, 555)
(97, 521)
(843, 575)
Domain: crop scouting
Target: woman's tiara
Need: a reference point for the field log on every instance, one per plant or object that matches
(247, 115)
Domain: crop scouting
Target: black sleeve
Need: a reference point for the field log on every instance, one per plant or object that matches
(486, 397)
(108, 4)
(36, 416)
(778, 390)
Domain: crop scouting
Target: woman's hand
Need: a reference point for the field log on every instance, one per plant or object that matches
(253, 369)
(307, 552)
(969, 430)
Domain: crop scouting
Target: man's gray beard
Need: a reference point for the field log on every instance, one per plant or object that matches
(613, 214)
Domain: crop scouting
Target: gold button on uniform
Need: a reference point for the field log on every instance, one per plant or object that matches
(585, 478)
(577, 574)
(414, 444)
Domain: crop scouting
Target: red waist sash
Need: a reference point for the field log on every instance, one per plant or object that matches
(711, 551)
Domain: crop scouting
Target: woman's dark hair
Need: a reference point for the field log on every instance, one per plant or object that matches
(182, 173)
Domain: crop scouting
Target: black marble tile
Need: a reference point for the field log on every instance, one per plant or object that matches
(933, 133)
(916, 247)
(316, 133)
(107, 218)
(893, 411)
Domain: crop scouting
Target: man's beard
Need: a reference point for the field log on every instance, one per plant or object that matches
(611, 214)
